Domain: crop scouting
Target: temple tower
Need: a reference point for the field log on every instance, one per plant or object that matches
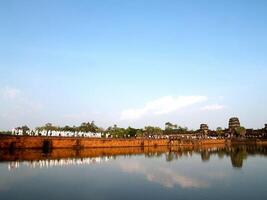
(204, 129)
(233, 124)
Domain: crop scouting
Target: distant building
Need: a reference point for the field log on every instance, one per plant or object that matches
(249, 132)
(257, 133)
(204, 129)
(233, 124)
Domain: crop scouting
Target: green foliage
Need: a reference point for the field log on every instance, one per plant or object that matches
(151, 131)
(170, 126)
(169, 156)
(24, 129)
(240, 131)
(117, 132)
(219, 131)
(5, 132)
(48, 127)
(238, 155)
(69, 128)
(132, 132)
(174, 129)
(84, 127)
(140, 133)
(88, 127)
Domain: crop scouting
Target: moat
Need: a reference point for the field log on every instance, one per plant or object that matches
(208, 172)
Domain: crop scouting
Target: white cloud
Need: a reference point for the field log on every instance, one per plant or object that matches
(10, 93)
(164, 105)
(213, 107)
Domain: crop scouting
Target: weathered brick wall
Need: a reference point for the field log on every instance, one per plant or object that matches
(22, 142)
(122, 142)
(59, 142)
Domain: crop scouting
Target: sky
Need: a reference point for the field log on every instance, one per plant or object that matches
(133, 63)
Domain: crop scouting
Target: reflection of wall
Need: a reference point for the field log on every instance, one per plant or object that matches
(237, 153)
(35, 154)
(60, 162)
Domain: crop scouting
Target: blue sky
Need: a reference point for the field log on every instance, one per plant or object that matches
(133, 62)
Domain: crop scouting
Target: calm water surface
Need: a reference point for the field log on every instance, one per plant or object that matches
(211, 173)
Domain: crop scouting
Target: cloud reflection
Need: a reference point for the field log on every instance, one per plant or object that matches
(162, 175)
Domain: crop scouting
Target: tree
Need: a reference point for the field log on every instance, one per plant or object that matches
(48, 127)
(88, 127)
(115, 131)
(240, 131)
(6, 132)
(219, 131)
(182, 130)
(151, 131)
(25, 129)
(140, 133)
(131, 132)
(170, 126)
(169, 156)
(68, 128)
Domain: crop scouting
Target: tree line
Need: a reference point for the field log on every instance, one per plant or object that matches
(119, 132)
(112, 131)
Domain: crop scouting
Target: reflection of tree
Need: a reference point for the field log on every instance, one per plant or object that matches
(221, 153)
(169, 156)
(237, 155)
(205, 155)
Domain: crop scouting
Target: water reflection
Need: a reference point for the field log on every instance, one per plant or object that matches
(64, 157)
(57, 163)
(206, 173)
(164, 176)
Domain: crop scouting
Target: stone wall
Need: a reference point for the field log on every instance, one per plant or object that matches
(38, 142)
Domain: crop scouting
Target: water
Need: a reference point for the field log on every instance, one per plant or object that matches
(134, 173)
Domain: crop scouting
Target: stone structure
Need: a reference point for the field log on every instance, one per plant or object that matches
(233, 124)
(11, 142)
(265, 131)
(204, 129)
